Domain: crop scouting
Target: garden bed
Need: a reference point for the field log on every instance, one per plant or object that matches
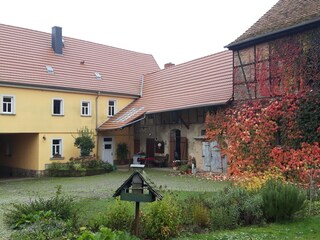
(76, 173)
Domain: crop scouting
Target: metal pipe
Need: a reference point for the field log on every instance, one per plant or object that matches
(97, 137)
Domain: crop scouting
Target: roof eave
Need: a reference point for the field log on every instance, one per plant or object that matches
(65, 89)
(304, 26)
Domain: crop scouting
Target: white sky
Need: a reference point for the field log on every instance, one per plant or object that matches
(174, 31)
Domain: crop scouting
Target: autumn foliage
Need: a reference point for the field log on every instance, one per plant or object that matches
(274, 123)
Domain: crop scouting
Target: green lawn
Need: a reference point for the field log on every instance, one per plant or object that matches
(308, 228)
(92, 195)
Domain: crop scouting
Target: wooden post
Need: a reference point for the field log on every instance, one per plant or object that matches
(136, 220)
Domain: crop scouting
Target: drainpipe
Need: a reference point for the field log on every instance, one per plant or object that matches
(97, 141)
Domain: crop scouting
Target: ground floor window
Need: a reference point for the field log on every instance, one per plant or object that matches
(56, 148)
(7, 104)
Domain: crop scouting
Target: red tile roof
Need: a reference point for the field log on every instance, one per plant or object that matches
(25, 54)
(284, 14)
(205, 81)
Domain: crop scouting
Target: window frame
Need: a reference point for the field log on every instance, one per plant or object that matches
(61, 107)
(88, 108)
(114, 107)
(12, 104)
(60, 153)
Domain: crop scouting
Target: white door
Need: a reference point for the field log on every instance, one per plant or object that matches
(107, 150)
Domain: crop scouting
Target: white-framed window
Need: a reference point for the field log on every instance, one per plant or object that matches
(56, 148)
(8, 105)
(57, 106)
(85, 108)
(112, 107)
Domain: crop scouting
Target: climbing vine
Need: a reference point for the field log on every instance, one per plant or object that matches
(260, 135)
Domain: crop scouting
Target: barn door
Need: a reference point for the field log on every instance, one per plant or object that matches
(184, 148)
(212, 160)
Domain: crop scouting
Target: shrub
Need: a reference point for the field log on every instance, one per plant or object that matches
(195, 213)
(254, 181)
(161, 219)
(106, 233)
(122, 152)
(225, 217)
(85, 141)
(235, 206)
(55, 208)
(43, 230)
(201, 215)
(281, 200)
(119, 216)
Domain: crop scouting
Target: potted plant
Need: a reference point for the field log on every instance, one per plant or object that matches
(185, 168)
(122, 152)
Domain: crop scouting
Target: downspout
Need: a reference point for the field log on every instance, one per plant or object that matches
(97, 136)
(141, 86)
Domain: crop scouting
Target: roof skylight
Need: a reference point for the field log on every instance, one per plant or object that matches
(98, 76)
(50, 69)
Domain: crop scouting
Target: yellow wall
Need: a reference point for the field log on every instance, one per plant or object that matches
(24, 150)
(34, 111)
(34, 115)
(125, 135)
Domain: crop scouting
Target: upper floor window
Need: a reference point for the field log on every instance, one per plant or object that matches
(85, 108)
(112, 107)
(56, 148)
(7, 104)
(57, 107)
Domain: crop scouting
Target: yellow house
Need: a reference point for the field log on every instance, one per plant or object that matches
(51, 86)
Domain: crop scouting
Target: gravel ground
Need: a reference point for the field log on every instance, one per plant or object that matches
(100, 186)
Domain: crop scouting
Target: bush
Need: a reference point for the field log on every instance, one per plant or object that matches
(55, 208)
(81, 166)
(201, 215)
(225, 217)
(196, 213)
(119, 216)
(84, 141)
(236, 206)
(43, 230)
(161, 219)
(106, 233)
(280, 200)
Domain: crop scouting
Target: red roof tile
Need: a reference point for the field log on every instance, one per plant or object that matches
(202, 82)
(25, 54)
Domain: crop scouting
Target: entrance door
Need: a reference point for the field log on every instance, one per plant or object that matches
(212, 160)
(107, 150)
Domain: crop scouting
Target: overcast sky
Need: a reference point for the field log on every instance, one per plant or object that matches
(174, 31)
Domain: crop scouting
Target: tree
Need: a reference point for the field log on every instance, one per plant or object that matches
(84, 141)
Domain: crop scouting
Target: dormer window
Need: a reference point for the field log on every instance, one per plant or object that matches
(50, 69)
(98, 75)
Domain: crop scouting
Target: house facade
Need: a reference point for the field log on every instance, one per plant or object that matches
(283, 45)
(169, 118)
(51, 87)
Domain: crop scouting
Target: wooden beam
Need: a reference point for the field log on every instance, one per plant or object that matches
(181, 119)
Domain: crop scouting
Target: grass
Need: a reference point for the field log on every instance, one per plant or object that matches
(307, 228)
